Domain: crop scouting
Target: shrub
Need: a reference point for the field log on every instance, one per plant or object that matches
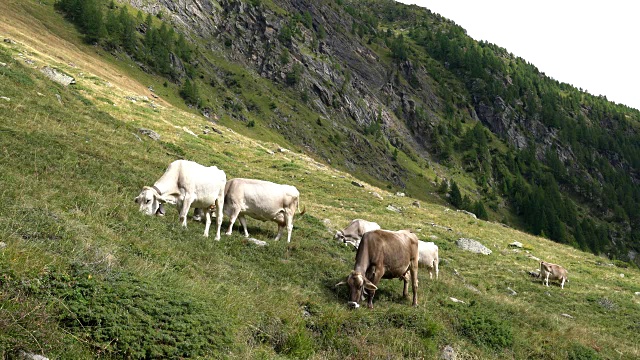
(578, 351)
(487, 331)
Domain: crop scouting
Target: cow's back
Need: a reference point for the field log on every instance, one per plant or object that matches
(393, 250)
(260, 199)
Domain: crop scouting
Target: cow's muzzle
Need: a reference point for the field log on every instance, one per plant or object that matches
(160, 211)
(353, 304)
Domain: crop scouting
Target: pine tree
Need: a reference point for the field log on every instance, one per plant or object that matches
(455, 197)
(92, 21)
(128, 25)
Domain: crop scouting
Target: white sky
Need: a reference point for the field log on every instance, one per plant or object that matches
(593, 45)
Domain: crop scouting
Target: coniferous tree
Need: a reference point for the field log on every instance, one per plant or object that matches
(455, 197)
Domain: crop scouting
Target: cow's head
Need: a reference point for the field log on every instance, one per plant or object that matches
(150, 202)
(357, 284)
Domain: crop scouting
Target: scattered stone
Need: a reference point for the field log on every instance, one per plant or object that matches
(131, 98)
(355, 183)
(150, 88)
(4, 245)
(468, 213)
(58, 76)
(516, 244)
(9, 41)
(400, 194)
(59, 98)
(472, 288)
(441, 227)
(448, 353)
(393, 208)
(30, 62)
(150, 133)
(607, 304)
(39, 94)
(416, 203)
(257, 242)
(533, 257)
(5, 98)
(511, 291)
(567, 316)
(137, 137)
(433, 237)
(186, 129)
(155, 96)
(376, 195)
(29, 356)
(3, 64)
(456, 300)
(473, 246)
(637, 293)
(534, 274)
(282, 150)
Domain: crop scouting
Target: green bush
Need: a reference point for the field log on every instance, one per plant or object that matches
(484, 330)
(578, 351)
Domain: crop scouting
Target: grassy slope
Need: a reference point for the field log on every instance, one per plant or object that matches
(69, 173)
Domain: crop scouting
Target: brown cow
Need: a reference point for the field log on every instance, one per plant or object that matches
(553, 272)
(383, 254)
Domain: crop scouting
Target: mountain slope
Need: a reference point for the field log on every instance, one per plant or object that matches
(84, 275)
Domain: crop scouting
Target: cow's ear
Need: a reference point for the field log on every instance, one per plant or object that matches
(340, 283)
(369, 285)
(136, 200)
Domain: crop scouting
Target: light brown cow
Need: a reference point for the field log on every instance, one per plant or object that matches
(262, 200)
(383, 254)
(351, 234)
(553, 272)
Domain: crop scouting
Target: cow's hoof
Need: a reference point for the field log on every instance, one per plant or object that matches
(353, 304)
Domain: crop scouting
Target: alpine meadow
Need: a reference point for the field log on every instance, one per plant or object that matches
(373, 110)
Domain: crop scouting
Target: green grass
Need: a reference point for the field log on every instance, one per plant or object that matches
(85, 275)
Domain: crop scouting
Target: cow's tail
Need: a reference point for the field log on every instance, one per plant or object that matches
(304, 209)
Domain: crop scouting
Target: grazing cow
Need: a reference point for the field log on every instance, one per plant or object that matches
(262, 200)
(352, 233)
(383, 254)
(428, 257)
(186, 184)
(553, 272)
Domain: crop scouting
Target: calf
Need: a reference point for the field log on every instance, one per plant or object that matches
(428, 257)
(353, 233)
(553, 272)
(383, 254)
(186, 184)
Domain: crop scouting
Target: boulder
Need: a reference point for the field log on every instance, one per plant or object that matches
(355, 183)
(58, 76)
(150, 133)
(516, 244)
(473, 246)
(448, 353)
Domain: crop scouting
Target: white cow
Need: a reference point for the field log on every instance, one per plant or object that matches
(428, 257)
(353, 233)
(553, 272)
(262, 200)
(186, 184)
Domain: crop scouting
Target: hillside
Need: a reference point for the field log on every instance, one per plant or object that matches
(404, 99)
(84, 275)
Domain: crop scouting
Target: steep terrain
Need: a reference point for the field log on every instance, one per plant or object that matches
(84, 275)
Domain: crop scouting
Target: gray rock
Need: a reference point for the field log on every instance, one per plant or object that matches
(393, 208)
(355, 183)
(29, 356)
(3, 64)
(511, 291)
(473, 246)
(416, 203)
(150, 133)
(637, 293)
(400, 194)
(5, 98)
(257, 242)
(59, 98)
(9, 41)
(58, 76)
(456, 300)
(472, 288)
(567, 316)
(516, 244)
(3, 245)
(468, 213)
(448, 353)
(376, 195)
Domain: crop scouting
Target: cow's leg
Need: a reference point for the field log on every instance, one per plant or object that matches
(219, 209)
(243, 222)
(413, 268)
(207, 215)
(280, 227)
(197, 214)
(232, 219)
(377, 275)
(547, 279)
(562, 283)
(405, 289)
(435, 263)
(184, 209)
(289, 217)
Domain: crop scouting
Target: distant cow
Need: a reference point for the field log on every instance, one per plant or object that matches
(553, 272)
(262, 200)
(186, 184)
(383, 254)
(352, 233)
(428, 257)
